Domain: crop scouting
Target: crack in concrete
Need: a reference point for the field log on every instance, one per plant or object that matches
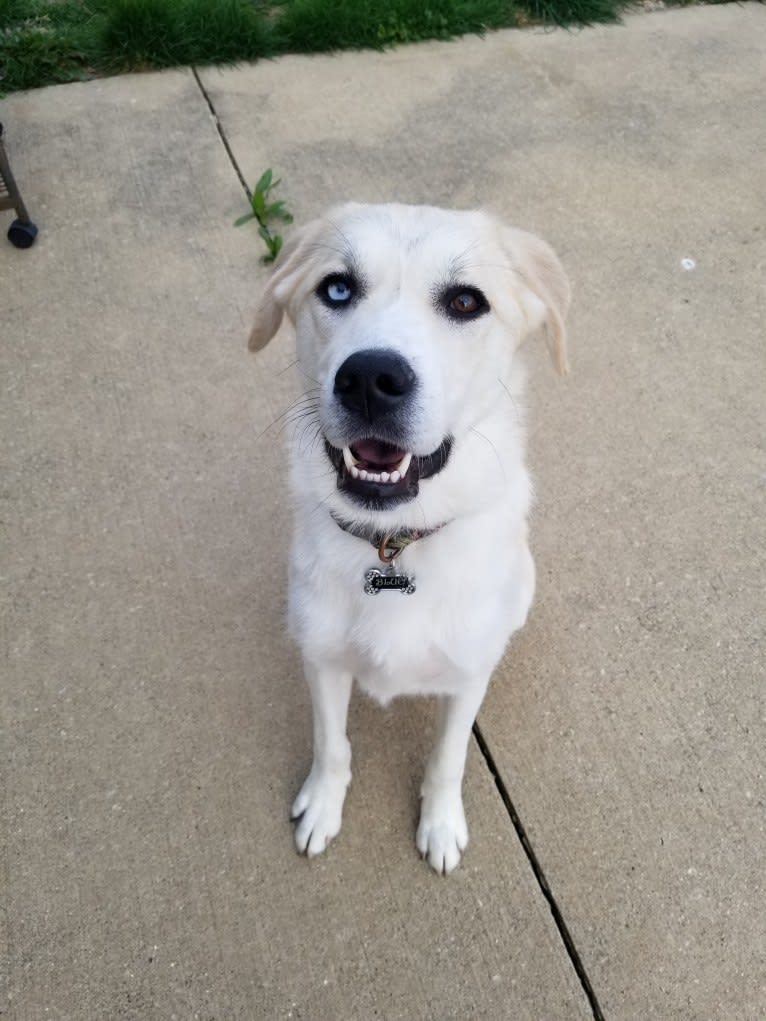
(539, 874)
(221, 132)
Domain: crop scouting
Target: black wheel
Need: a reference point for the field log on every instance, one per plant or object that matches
(22, 235)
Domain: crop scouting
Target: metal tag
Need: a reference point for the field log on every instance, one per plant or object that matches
(377, 581)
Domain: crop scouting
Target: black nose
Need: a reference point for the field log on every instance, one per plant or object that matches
(374, 383)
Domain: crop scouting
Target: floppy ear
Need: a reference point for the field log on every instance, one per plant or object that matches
(548, 293)
(290, 268)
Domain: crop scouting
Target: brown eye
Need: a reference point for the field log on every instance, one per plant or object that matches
(461, 302)
(464, 303)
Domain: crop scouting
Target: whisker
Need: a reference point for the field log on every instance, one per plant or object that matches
(287, 367)
(318, 437)
(320, 505)
(494, 450)
(514, 402)
(296, 414)
(422, 511)
(310, 426)
(317, 384)
(296, 362)
(305, 402)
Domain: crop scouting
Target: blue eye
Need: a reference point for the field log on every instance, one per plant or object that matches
(337, 289)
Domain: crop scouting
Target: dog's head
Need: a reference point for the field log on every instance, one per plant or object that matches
(407, 319)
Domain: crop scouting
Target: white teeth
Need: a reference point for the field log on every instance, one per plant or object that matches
(395, 476)
(403, 466)
(349, 458)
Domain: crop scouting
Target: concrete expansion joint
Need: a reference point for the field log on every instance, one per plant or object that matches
(540, 877)
(221, 132)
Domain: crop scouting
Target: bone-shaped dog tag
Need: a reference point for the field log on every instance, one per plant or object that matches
(376, 581)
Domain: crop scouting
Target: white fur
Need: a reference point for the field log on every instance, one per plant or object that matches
(475, 576)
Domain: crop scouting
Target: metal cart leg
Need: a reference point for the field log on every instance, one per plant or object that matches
(22, 232)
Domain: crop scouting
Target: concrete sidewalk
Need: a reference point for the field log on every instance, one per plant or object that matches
(155, 724)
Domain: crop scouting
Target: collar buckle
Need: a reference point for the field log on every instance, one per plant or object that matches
(387, 554)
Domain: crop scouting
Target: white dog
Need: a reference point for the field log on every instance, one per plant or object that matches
(410, 567)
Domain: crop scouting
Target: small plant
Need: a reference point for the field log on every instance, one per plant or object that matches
(265, 212)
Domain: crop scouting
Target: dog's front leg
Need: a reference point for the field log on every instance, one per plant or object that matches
(319, 806)
(442, 833)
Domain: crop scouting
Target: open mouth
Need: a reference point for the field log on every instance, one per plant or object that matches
(376, 473)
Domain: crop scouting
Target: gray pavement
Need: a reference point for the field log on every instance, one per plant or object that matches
(154, 722)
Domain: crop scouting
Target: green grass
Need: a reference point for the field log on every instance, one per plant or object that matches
(165, 33)
(307, 26)
(44, 41)
(47, 41)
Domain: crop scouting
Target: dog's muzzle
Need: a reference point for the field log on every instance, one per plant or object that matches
(376, 387)
(374, 391)
(377, 474)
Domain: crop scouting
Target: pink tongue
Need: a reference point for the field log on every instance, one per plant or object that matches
(376, 453)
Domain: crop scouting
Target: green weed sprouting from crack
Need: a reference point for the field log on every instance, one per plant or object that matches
(266, 212)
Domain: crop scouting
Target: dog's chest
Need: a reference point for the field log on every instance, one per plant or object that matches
(451, 628)
(400, 644)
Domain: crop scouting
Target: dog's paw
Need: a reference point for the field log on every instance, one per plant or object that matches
(318, 811)
(442, 833)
